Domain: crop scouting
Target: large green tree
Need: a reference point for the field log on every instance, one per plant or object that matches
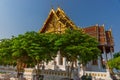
(19, 52)
(75, 44)
(29, 48)
(41, 47)
(33, 47)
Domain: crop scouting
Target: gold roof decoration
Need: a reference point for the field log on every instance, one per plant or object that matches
(64, 16)
(57, 21)
(49, 16)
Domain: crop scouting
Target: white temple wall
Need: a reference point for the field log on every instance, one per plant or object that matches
(109, 56)
(104, 57)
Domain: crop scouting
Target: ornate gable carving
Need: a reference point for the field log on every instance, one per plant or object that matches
(57, 22)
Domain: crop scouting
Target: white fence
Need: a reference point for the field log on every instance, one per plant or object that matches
(48, 74)
(29, 74)
(55, 75)
(98, 75)
(7, 69)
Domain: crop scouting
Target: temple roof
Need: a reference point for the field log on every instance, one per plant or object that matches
(103, 36)
(57, 18)
(57, 22)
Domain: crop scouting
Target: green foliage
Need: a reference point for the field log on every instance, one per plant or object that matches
(75, 44)
(117, 54)
(114, 63)
(28, 48)
(51, 47)
(33, 47)
(5, 51)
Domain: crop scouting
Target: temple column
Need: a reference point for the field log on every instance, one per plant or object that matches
(111, 52)
(64, 61)
(58, 58)
(78, 63)
(104, 55)
(99, 63)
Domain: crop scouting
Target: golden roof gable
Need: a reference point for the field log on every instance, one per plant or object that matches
(57, 21)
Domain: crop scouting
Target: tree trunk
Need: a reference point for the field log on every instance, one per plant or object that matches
(19, 69)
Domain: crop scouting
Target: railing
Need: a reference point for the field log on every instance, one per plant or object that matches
(29, 73)
(55, 75)
(98, 75)
(7, 69)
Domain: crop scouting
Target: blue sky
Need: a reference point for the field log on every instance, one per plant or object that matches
(19, 16)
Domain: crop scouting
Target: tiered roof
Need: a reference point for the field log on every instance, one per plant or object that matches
(58, 22)
(104, 37)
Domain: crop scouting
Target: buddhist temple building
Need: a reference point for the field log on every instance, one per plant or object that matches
(57, 22)
(106, 43)
(59, 68)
